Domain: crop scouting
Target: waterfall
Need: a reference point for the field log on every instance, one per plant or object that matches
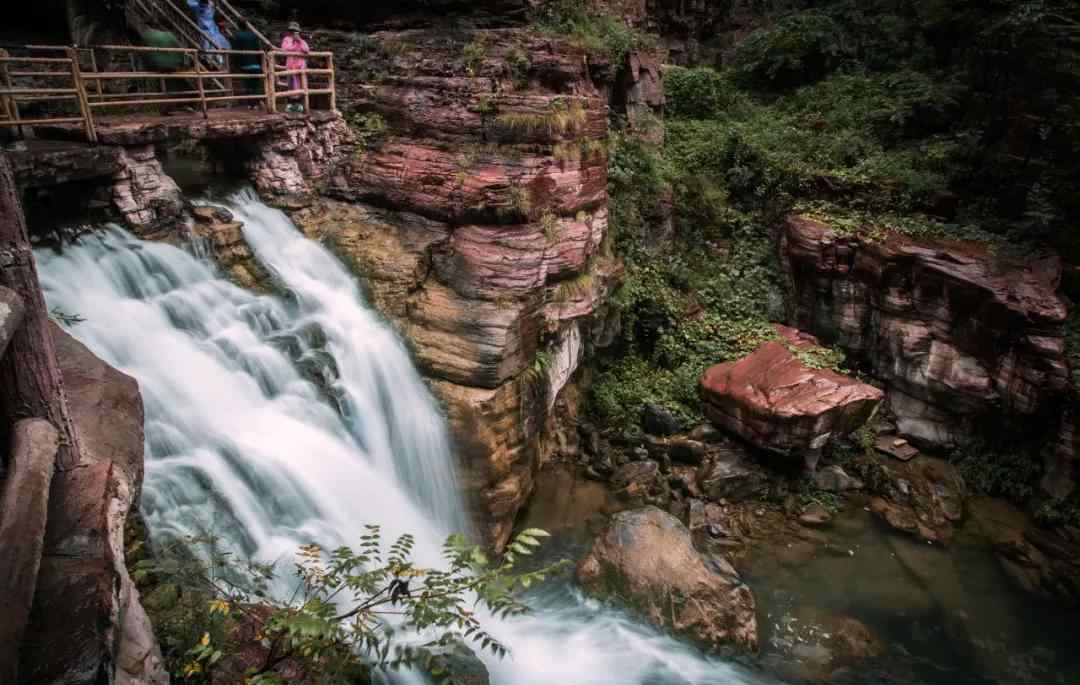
(281, 421)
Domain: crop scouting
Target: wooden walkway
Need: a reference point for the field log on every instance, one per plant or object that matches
(108, 90)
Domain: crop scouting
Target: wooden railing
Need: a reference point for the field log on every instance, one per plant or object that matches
(67, 86)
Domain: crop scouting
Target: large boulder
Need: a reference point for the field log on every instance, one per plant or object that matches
(646, 558)
(87, 624)
(775, 401)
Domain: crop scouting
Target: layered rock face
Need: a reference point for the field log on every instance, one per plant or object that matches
(775, 401)
(475, 209)
(959, 335)
(646, 557)
(87, 625)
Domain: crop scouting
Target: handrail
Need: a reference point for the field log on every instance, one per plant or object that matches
(233, 15)
(88, 83)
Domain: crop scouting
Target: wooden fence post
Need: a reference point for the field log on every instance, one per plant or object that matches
(80, 92)
(10, 103)
(199, 81)
(333, 82)
(271, 82)
(304, 85)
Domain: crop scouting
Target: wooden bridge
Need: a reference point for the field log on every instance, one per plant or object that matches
(88, 88)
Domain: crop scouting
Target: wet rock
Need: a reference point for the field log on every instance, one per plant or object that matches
(225, 236)
(659, 420)
(687, 451)
(924, 497)
(835, 479)
(683, 479)
(818, 645)
(645, 557)
(24, 501)
(895, 447)
(1037, 561)
(731, 477)
(706, 433)
(815, 515)
(773, 400)
(641, 482)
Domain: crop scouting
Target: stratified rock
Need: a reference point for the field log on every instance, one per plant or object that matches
(41, 163)
(646, 557)
(774, 401)
(290, 164)
(497, 451)
(144, 195)
(87, 622)
(474, 206)
(960, 335)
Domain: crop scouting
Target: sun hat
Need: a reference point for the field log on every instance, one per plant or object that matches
(294, 26)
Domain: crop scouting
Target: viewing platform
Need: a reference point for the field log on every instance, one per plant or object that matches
(131, 95)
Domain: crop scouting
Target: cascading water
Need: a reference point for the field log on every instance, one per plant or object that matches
(242, 438)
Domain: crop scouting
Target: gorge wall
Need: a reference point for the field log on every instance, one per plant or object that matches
(475, 206)
(969, 343)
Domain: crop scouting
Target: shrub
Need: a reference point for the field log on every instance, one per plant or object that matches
(798, 49)
(606, 37)
(700, 93)
(334, 629)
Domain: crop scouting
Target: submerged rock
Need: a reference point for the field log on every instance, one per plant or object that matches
(814, 645)
(1037, 561)
(646, 558)
(775, 401)
(924, 497)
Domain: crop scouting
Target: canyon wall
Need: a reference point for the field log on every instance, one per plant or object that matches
(474, 206)
(969, 342)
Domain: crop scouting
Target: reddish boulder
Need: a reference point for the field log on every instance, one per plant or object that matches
(775, 401)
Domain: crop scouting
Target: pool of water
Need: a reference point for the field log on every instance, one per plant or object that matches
(945, 615)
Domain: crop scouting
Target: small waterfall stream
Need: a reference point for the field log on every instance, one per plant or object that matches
(242, 438)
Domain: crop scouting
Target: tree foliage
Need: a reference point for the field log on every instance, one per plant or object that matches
(354, 611)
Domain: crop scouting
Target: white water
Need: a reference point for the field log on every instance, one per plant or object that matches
(240, 442)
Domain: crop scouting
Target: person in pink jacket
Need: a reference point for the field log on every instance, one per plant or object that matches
(293, 42)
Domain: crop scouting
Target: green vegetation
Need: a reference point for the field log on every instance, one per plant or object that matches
(561, 118)
(474, 53)
(930, 119)
(354, 611)
(607, 38)
(1010, 473)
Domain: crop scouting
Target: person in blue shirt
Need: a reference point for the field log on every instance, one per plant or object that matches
(204, 12)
